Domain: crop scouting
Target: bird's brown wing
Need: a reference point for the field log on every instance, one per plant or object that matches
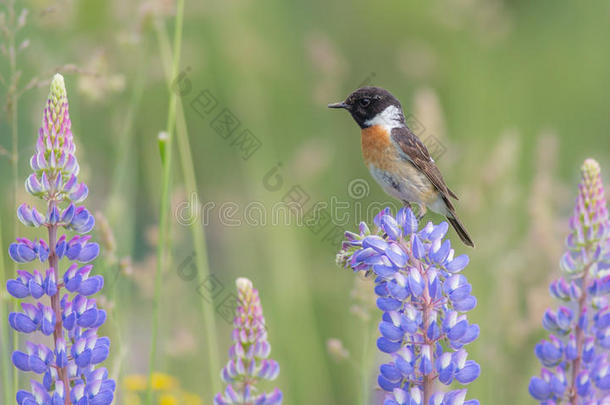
(414, 151)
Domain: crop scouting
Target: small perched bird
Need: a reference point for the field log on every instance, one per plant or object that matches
(396, 158)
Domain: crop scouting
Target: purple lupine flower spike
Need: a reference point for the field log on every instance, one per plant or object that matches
(249, 355)
(424, 299)
(576, 368)
(70, 366)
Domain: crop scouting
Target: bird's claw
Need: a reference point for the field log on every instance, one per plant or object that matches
(421, 212)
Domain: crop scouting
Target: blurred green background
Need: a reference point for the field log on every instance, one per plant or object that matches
(514, 94)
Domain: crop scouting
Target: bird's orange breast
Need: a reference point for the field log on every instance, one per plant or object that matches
(377, 147)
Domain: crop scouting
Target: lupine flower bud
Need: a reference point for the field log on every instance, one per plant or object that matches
(68, 369)
(423, 299)
(575, 356)
(249, 355)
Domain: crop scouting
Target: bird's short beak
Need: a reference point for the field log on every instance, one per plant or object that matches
(339, 105)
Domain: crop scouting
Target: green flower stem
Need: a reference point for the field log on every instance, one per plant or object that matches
(200, 247)
(12, 104)
(197, 231)
(62, 373)
(5, 335)
(166, 159)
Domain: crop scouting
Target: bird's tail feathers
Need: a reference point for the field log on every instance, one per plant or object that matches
(459, 228)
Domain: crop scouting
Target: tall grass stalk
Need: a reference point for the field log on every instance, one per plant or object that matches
(197, 232)
(5, 335)
(166, 160)
(201, 252)
(12, 99)
(12, 110)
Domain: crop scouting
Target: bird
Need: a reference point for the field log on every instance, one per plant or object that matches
(396, 158)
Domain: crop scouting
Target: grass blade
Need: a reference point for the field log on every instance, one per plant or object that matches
(165, 201)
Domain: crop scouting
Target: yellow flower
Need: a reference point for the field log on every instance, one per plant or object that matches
(191, 399)
(168, 399)
(135, 382)
(163, 382)
(160, 382)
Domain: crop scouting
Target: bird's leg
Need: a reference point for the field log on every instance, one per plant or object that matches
(422, 212)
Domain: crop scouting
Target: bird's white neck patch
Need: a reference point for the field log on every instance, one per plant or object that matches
(389, 118)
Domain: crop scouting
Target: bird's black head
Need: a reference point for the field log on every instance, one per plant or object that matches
(367, 103)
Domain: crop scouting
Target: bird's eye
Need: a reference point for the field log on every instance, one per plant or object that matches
(364, 102)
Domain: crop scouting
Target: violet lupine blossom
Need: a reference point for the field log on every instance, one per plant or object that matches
(424, 299)
(69, 366)
(576, 368)
(248, 356)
